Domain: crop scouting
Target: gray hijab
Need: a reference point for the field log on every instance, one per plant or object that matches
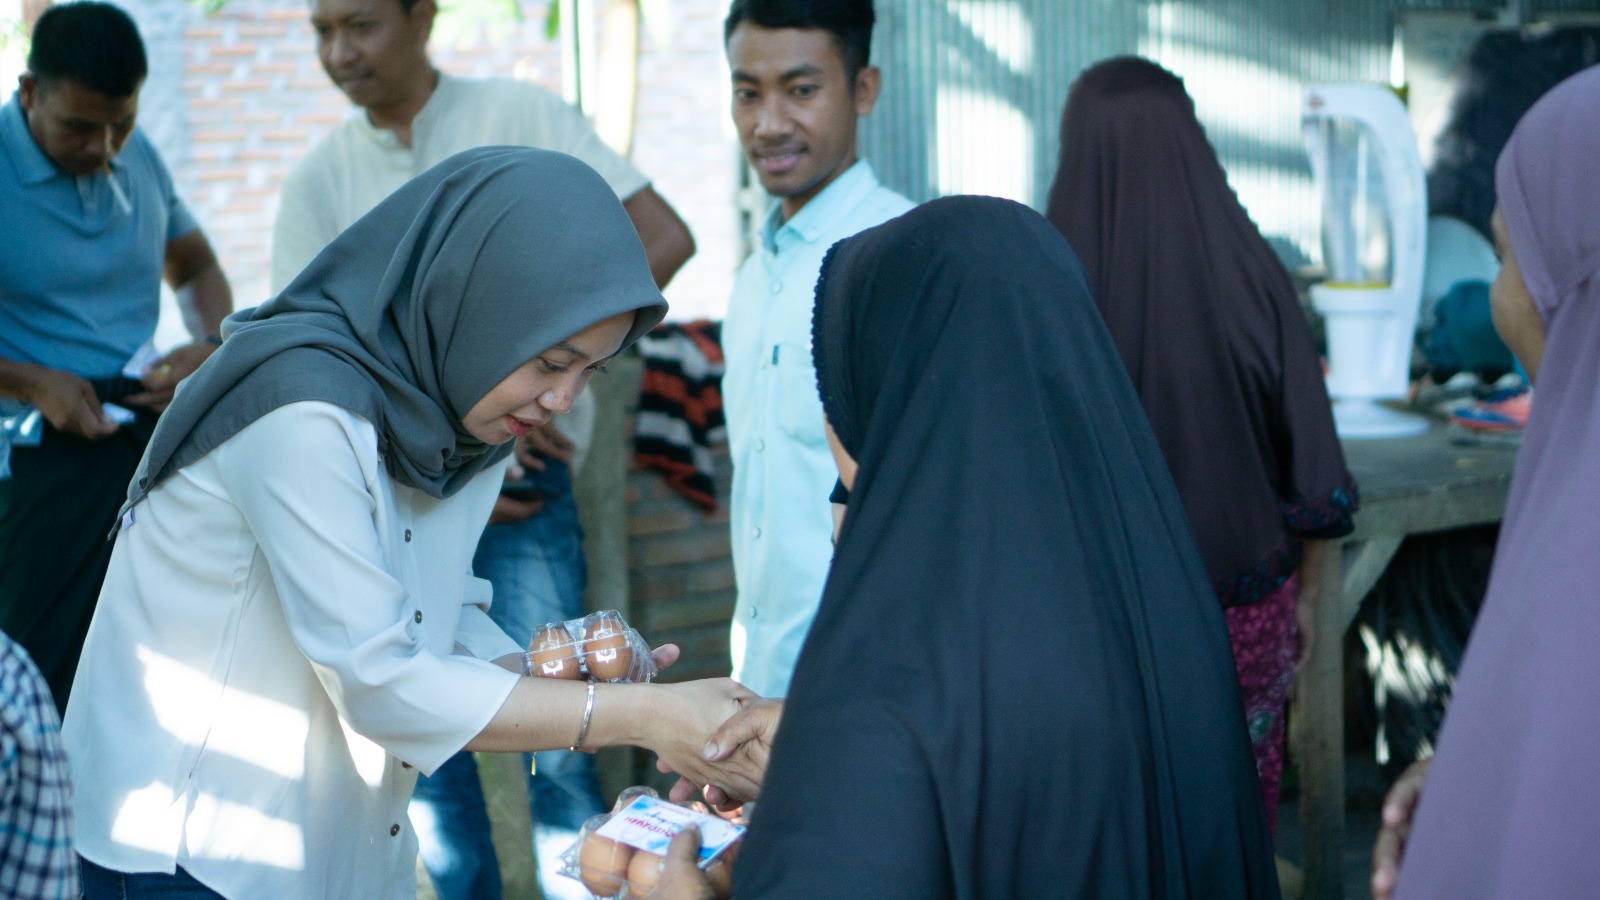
(412, 314)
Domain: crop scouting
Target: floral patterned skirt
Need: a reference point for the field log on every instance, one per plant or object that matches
(1263, 636)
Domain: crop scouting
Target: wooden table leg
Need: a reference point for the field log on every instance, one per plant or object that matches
(1317, 732)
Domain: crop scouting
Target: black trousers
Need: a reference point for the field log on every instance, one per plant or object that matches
(55, 513)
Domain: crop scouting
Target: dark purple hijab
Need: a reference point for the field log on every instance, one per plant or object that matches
(1207, 321)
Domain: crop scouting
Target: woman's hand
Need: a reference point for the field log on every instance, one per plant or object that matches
(1399, 810)
(681, 879)
(1307, 597)
(742, 744)
(684, 718)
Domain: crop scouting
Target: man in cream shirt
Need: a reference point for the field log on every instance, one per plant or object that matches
(412, 116)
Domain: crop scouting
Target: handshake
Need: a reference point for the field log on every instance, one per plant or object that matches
(715, 733)
(733, 761)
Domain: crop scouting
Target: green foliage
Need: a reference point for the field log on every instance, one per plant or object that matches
(460, 20)
(13, 37)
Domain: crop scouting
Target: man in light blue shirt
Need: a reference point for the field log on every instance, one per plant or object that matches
(92, 225)
(800, 82)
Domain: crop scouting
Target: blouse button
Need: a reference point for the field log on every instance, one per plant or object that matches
(418, 617)
(408, 535)
(394, 831)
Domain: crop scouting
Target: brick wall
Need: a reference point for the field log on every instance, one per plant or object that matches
(257, 99)
(679, 571)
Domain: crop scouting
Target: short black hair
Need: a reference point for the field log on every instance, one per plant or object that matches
(91, 44)
(849, 21)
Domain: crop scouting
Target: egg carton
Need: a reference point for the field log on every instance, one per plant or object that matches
(596, 647)
(619, 855)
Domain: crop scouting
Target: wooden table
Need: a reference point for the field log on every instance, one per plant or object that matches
(1408, 486)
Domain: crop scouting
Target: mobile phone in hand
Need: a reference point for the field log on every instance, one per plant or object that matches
(521, 490)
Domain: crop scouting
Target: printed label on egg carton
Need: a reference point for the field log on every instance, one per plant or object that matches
(620, 854)
(599, 646)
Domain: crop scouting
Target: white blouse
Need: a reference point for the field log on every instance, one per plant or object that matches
(284, 633)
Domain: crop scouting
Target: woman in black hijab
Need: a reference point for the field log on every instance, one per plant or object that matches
(1018, 681)
(1209, 326)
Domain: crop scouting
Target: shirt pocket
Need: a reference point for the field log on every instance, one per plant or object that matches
(801, 404)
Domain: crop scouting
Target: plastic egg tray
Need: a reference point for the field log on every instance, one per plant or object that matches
(596, 647)
(619, 855)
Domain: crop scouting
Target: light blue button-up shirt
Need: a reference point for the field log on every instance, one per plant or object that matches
(782, 470)
(80, 285)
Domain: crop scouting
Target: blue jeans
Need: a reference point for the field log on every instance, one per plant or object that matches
(100, 883)
(538, 572)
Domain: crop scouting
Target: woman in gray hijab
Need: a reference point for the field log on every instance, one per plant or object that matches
(289, 631)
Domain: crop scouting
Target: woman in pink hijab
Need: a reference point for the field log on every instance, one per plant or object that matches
(1511, 805)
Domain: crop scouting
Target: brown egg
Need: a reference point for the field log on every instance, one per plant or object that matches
(644, 872)
(603, 864)
(555, 653)
(605, 647)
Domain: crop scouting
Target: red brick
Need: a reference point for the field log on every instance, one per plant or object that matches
(271, 31)
(714, 612)
(217, 176)
(218, 137)
(651, 589)
(669, 550)
(712, 578)
(661, 523)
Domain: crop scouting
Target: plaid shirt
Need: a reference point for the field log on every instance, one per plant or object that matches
(37, 860)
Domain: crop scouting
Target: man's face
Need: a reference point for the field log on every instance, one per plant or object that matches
(372, 48)
(78, 129)
(794, 108)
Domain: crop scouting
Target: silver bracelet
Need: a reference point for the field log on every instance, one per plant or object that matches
(588, 712)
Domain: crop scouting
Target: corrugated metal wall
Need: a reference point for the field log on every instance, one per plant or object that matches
(984, 81)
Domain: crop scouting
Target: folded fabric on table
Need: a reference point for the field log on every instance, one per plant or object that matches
(680, 406)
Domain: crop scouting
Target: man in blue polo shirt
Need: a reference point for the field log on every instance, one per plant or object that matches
(91, 226)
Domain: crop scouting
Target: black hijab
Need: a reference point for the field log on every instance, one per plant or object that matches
(1207, 321)
(1018, 683)
(419, 308)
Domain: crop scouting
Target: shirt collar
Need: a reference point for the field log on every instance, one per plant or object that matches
(436, 101)
(822, 213)
(33, 167)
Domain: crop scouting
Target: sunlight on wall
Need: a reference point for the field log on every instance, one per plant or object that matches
(12, 44)
(1291, 205)
(1003, 27)
(970, 126)
(1246, 101)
